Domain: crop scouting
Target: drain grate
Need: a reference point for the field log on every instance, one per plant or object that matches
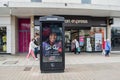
(27, 68)
(1, 56)
(10, 62)
(2, 59)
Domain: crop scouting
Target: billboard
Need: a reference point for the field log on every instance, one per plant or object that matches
(52, 42)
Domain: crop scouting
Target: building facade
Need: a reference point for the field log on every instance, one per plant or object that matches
(88, 20)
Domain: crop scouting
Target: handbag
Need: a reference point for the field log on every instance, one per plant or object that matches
(78, 49)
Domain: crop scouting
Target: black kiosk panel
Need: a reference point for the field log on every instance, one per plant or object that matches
(52, 44)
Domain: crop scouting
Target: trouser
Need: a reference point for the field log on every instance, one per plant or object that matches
(31, 52)
(36, 51)
(75, 50)
(107, 52)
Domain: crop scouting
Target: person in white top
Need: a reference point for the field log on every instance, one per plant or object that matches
(77, 47)
(31, 49)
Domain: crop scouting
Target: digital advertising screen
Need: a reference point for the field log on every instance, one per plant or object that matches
(52, 42)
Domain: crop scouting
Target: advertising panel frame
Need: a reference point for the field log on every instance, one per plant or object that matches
(51, 66)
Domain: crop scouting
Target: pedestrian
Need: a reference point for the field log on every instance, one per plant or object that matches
(107, 47)
(72, 46)
(37, 42)
(103, 47)
(31, 49)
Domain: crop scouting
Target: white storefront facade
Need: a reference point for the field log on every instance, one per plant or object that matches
(27, 10)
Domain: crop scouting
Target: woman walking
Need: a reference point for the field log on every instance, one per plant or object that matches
(107, 47)
(31, 49)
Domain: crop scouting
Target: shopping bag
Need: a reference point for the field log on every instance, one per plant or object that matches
(78, 49)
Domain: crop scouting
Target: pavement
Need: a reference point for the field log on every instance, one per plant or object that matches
(85, 66)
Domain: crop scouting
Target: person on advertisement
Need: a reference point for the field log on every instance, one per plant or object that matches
(51, 47)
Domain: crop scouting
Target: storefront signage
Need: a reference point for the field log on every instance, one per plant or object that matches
(25, 25)
(76, 21)
(70, 21)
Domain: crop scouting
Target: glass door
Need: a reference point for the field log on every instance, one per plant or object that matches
(115, 39)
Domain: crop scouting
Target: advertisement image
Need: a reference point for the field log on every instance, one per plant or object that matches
(98, 42)
(52, 43)
(81, 40)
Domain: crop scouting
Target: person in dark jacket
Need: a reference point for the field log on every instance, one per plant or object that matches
(37, 43)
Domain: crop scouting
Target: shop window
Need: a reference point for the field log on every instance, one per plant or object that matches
(86, 1)
(36, 0)
(3, 39)
(115, 38)
(91, 40)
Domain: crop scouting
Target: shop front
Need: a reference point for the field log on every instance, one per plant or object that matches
(89, 31)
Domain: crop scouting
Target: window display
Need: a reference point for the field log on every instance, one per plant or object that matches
(84, 39)
(52, 42)
(91, 40)
(88, 45)
(81, 40)
(98, 42)
(3, 39)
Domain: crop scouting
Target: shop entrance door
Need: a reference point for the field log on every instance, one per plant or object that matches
(24, 35)
(70, 35)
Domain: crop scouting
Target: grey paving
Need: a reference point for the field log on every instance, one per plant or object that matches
(85, 66)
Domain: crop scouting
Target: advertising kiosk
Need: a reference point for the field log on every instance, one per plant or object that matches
(52, 57)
